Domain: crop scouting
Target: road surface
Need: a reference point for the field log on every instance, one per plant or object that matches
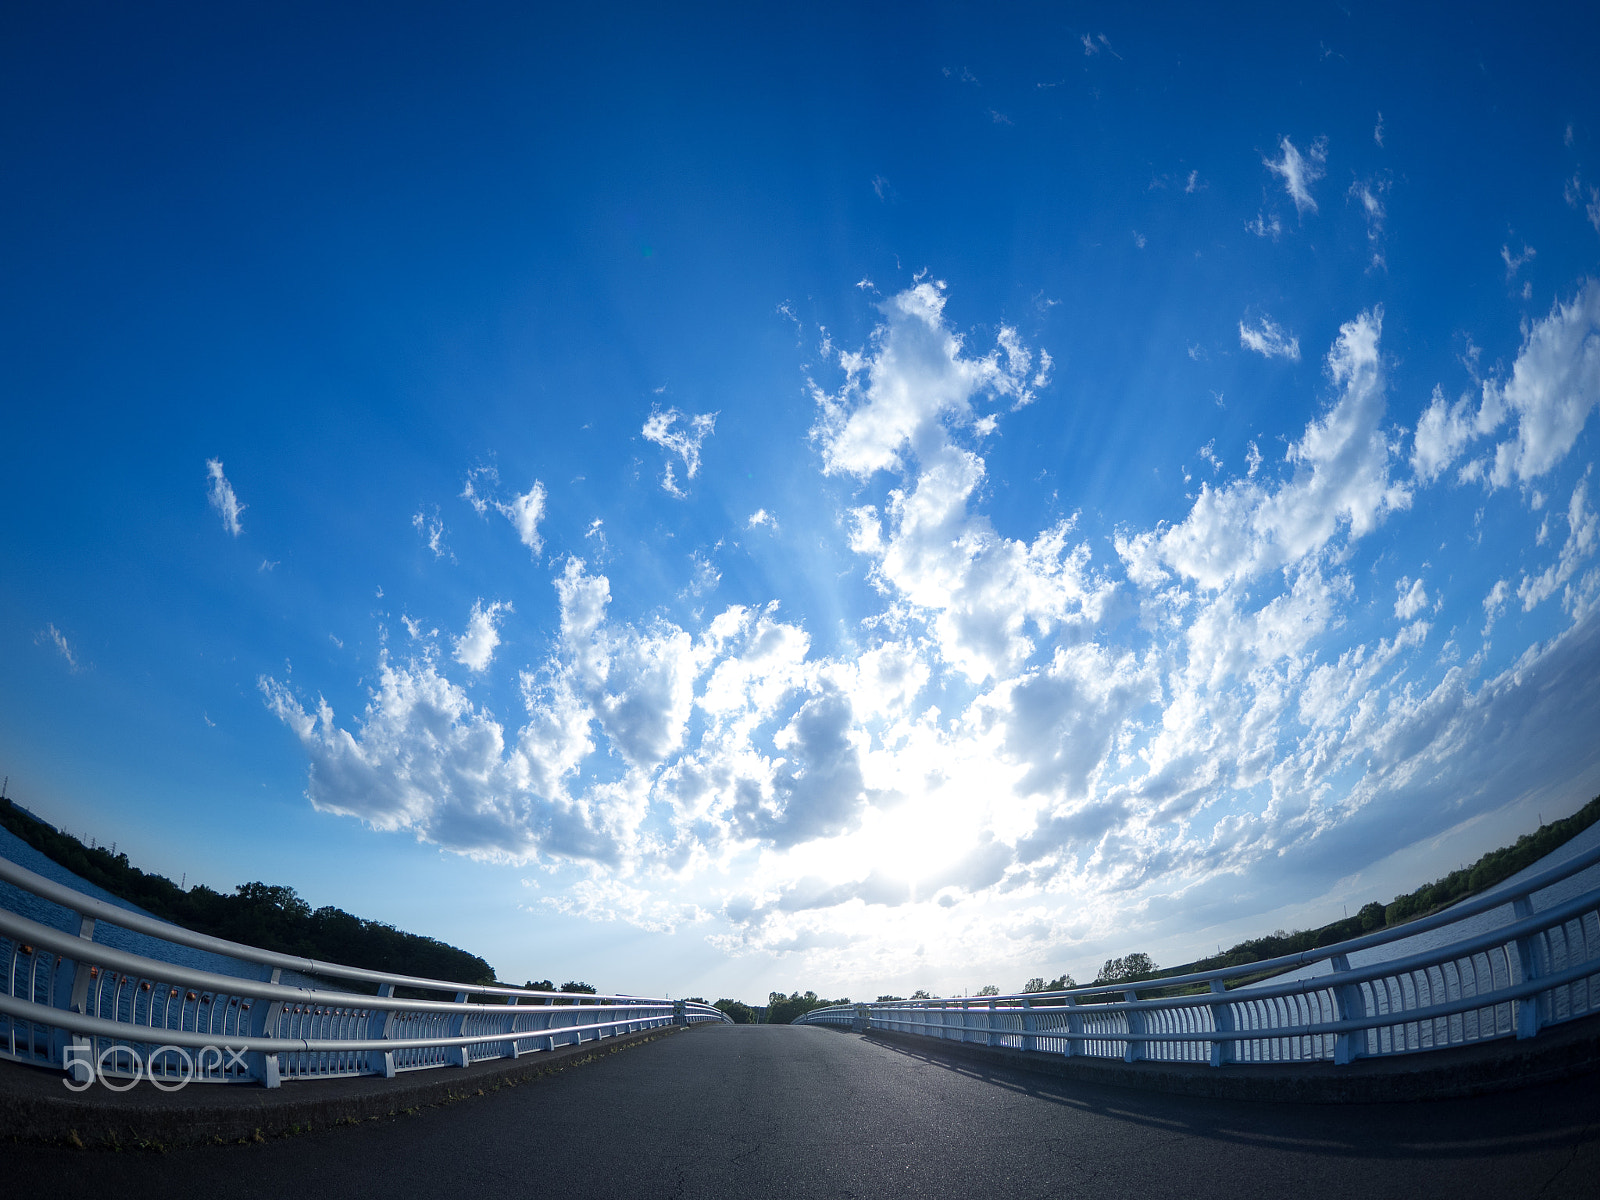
(800, 1111)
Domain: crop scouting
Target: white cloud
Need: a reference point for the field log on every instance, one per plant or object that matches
(1377, 131)
(475, 648)
(1583, 535)
(1413, 598)
(1591, 205)
(56, 638)
(1020, 750)
(918, 376)
(1370, 195)
(1269, 339)
(1264, 228)
(1299, 171)
(1494, 603)
(761, 517)
(1340, 481)
(685, 442)
(1514, 262)
(1094, 43)
(1554, 385)
(524, 511)
(1443, 431)
(431, 530)
(220, 493)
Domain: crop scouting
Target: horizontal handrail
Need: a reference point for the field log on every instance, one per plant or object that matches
(111, 914)
(122, 1031)
(261, 1017)
(1538, 968)
(1471, 907)
(71, 946)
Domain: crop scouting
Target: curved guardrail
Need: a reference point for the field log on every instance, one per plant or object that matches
(1541, 968)
(95, 1011)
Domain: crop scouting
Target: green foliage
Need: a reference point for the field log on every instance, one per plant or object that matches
(738, 1012)
(782, 1010)
(267, 916)
(989, 989)
(1059, 984)
(540, 985)
(1128, 969)
(573, 987)
(921, 994)
(888, 999)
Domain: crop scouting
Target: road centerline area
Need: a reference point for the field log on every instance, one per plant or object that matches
(741, 1111)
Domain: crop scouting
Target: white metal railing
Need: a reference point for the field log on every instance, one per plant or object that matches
(70, 1002)
(1541, 968)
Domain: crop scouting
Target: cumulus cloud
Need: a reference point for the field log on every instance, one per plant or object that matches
(901, 409)
(475, 648)
(1021, 745)
(222, 498)
(1413, 598)
(1269, 339)
(761, 517)
(1554, 385)
(524, 511)
(1299, 171)
(1583, 534)
(1340, 481)
(661, 428)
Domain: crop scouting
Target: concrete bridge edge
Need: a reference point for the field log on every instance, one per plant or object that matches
(1559, 1052)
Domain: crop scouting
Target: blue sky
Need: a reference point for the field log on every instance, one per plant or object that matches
(715, 503)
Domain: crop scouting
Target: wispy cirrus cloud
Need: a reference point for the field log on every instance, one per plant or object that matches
(662, 428)
(220, 494)
(1269, 339)
(53, 636)
(1299, 171)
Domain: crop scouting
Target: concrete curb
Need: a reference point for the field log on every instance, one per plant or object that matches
(1558, 1053)
(35, 1107)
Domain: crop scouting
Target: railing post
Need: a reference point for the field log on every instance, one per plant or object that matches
(1074, 1028)
(381, 1062)
(511, 1027)
(71, 992)
(1134, 1049)
(1221, 1022)
(1030, 1026)
(680, 1013)
(989, 1024)
(457, 1056)
(264, 1024)
(1528, 1019)
(1349, 1005)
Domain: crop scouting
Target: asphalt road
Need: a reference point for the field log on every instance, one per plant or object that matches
(779, 1111)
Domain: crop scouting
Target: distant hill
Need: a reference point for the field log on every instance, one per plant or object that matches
(267, 916)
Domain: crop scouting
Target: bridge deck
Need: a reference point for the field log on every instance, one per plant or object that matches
(755, 1111)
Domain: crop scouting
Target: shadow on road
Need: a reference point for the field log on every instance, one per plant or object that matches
(1541, 1117)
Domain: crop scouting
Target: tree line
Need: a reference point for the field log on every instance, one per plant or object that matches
(267, 916)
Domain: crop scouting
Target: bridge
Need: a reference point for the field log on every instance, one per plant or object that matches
(931, 1098)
